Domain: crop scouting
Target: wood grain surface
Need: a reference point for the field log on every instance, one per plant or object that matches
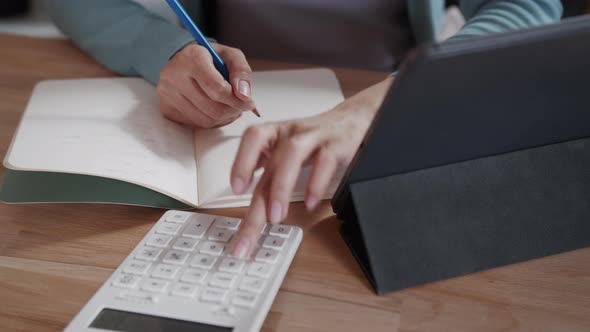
(53, 257)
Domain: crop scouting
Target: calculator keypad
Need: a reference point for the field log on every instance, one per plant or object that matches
(187, 257)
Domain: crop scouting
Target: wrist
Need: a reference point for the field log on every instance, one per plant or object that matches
(192, 42)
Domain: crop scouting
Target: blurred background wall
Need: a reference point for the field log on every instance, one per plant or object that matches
(27, 17)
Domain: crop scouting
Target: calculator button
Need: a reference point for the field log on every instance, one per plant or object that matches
(203, 261)
(138, 297)
(155, 285)
(227, 223)
(226, 311)
(207, 218)
(159, 240)
(244, 299)
(186, 244)
(197, 228)
(223, 280)
(232, 265)
(168, 228)
(274, 242)
(220, 234)
(212, 248)
(267, 255)
(126, 281)
(214, 295)
(194, 276)
(184, 290)
(178, 216)
(148, 254)
(252, 284)
(137, 267)
(175, 257)
(259, 269)
(280, 230)
(165, 271)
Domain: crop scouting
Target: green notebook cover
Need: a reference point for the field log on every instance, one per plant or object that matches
(48, 187)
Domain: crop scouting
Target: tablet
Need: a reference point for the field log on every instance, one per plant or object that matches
(467, 99)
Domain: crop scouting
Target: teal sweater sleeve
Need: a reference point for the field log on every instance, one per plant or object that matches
(120, 34)
(132, 41)
(487, 17)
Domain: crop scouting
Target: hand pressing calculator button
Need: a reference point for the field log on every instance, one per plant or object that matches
(184, 263)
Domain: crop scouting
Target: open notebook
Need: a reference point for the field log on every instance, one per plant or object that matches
(104, 140)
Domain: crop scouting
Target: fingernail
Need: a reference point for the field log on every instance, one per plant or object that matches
(241, 248)
(276, 212)
(244, 88)
(238, 185)
(312, 202)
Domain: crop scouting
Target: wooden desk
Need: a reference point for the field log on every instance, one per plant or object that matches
(54, 257)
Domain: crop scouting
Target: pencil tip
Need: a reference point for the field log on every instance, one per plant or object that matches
(255, 111)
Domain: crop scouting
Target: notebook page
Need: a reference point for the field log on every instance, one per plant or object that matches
(279, 95)
(109, 128)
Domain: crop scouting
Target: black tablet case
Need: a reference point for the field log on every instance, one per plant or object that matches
(479, 157)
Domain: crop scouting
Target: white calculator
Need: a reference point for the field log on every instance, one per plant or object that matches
(181, 278)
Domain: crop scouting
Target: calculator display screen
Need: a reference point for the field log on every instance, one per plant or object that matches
(123, 321)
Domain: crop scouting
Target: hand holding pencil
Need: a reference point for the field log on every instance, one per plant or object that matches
(205, 85)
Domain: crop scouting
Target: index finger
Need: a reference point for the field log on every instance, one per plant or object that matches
(255, 140)
(253, 223)
(240, 72)
(212, 82)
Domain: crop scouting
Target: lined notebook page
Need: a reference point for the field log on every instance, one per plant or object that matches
(279, 95)
(106, 127)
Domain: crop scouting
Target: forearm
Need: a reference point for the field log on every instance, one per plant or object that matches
(120, 34)
(488, 17)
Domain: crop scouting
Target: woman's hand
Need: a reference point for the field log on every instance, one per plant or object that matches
(193, 92)
(328, 141)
